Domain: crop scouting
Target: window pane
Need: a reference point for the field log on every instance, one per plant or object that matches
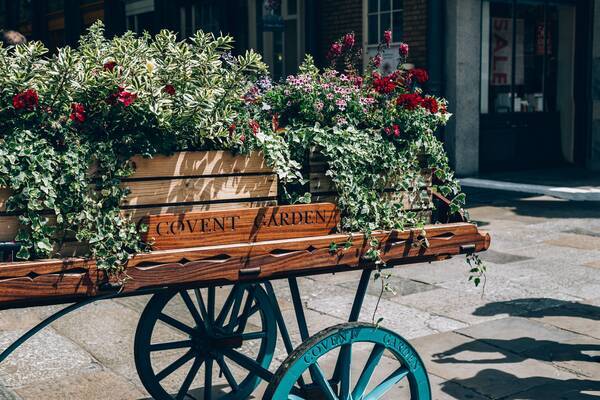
(373, 29)
(386, 23)
(397, 4)
(292, 7)
(373, 6)
(501, 40)
(385, 5)
(397, 27)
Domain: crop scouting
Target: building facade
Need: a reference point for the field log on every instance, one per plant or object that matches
(522, 76)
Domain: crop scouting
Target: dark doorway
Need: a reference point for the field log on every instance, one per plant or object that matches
(528, 81)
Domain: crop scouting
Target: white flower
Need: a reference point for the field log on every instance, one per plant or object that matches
(150, 66)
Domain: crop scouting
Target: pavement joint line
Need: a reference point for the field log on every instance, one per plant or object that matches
(567, 193)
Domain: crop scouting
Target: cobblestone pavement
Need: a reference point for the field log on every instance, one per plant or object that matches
(534, 334)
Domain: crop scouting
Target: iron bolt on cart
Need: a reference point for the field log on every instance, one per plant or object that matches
(233, 316)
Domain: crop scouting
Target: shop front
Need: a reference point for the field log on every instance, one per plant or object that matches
(533, 97)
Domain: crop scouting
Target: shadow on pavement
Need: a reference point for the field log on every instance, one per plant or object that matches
(532, 205)
(539, 307)
(534, 388)
(509, 352)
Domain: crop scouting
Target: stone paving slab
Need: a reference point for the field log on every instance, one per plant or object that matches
(89, 386)
(517, 335)
(46, 357)
(482, 367)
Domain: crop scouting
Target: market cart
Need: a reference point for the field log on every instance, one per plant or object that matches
(246, 250)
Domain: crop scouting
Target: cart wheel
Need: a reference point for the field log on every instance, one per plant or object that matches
(302, 375)
(205, 338)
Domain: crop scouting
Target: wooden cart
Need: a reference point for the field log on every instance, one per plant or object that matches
(198, 254)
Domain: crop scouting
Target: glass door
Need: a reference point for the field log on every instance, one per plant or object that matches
(527, 74)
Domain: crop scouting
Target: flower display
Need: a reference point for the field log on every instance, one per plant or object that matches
(374, 131)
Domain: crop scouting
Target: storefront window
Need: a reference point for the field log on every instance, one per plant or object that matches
(140, 15)
(383, 15)
(519, 56)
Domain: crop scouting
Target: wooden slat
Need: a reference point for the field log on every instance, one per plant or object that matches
(136, 214)
(240, 226)
(417, 200)
(24, 284)
(4, 195)
(9, 226)
(200, 189)
(199, 163)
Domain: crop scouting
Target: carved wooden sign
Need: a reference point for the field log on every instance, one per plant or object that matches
(207, 228)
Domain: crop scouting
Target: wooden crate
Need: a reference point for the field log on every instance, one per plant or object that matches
(184, 182)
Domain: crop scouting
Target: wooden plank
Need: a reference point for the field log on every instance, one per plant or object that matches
(136, 214)
(4, 195)
(417, 200)
(182, 190)
(40, 282)
(199, 163)
(172, 231)
(319, 182)
(9, 226)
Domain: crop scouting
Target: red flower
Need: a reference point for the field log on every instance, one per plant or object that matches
(358, 81)
(109, 65)
(255, 126)
(169, 89)
(396, 130)
(410, 101)
(231, 129)
(121, 96)
(243, 138)
(334, 51)
(387, 38)
(77, 113)
(403, 50)
(348, 41)
(384, 84)
(431, 104)
(419, 74)
(28, 99)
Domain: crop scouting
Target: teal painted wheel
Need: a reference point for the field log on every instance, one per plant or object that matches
(187, 347)
(320, 368)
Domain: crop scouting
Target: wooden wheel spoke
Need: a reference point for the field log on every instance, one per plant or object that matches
(322, 381)
(175, 365)
(254, 336)
(210, 317)
(189, 378)
(201, 304)
(227, 306)
(246, 312)
(192, 308)
(235, 310)
(249, 364)
(387, 384)
(171, 345)
(294, 397)
(176, 324)
(208, 379)
(367, 373)
(227, 372)
(345, 359)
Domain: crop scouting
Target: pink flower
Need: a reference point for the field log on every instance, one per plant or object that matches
(348, 40)
(377, 60)
(334, 51)
(396, 130)
(358, 81)
(387, 37)
(77, 113)
(403, 50)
